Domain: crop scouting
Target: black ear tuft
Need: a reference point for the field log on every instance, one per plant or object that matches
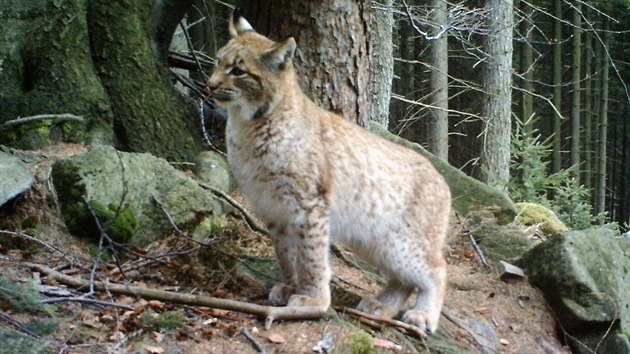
(237, 13)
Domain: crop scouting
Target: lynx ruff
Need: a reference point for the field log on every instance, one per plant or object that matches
(314, 178)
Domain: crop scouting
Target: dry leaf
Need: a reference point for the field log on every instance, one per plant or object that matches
(159, 337)
(157, 305)
(504, 341)
(153, 349)
(386, 344)
(116, 337)
(276, 338)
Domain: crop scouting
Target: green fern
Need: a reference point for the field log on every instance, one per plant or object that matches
(23, 297)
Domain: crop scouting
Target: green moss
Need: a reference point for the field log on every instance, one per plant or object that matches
(120, 225)
(164, 321)
(360, 343)
(532, 214)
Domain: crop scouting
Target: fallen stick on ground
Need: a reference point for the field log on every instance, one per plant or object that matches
(269, 313)
(411, 329)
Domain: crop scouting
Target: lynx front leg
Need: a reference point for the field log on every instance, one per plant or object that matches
(314, 273)
(432, 288)
(286, 253)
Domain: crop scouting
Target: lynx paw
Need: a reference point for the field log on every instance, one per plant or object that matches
(304, 300)
(374, 307)
(280, 294)
(421, 320)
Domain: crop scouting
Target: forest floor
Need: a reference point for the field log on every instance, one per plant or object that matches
(482, 313)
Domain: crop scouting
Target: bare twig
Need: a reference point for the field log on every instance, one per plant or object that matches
(34, 239)
(411, 329)
(32, 119)
(251, 221)
(259, 348)
(270, 313)
(478, 250)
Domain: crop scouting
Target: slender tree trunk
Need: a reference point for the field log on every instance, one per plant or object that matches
(497, 80)
(575, 94)
(556, 161)
(588, 108)
(527, 100)
(603, 128)
(438, 136)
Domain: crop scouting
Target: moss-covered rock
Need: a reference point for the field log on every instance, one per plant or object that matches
(503, 242)
(468, 193)
(127, 192)
(212, 168)
(532, 214)
(585, 277)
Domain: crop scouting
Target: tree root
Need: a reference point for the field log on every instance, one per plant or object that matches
(269, 313)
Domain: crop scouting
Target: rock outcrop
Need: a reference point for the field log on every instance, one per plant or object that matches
(130, 193)
(14, 177)
(585, 277)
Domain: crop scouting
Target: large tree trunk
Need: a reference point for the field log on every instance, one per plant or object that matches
(438, 135)
(337, 57)
(103, 60)
(497, 83)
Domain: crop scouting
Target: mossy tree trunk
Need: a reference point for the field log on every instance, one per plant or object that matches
(102, 60)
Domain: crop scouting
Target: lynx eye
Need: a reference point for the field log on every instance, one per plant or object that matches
(238, 72)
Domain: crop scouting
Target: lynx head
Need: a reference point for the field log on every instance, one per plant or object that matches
(251, 71)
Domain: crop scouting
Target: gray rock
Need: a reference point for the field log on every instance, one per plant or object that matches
(585, 277)
(106, 177)
(14, 177)
(212, 168)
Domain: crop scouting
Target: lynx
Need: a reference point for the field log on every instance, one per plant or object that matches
(315, 178)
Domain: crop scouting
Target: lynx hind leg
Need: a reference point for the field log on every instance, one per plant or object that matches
(431, 291)
(388, 302)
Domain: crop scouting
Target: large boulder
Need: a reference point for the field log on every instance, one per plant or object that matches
(130, 194)
(468, 194)
(14, 177)
(585, 277)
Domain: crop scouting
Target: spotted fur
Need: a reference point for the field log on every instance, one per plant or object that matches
(314, 178)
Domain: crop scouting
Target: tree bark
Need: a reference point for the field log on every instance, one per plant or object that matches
(603, 129)
(380, 61)
(588, 107)
(332, 56)
(527, 100)
(438, 135)
(575, 94)
(497, 80)
(104, 61)
(556, 158)
(150, 115)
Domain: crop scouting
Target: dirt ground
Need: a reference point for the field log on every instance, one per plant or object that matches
(482, 313)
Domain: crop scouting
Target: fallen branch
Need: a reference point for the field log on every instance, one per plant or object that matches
(269, 313)
(26, 120)
(411, 329)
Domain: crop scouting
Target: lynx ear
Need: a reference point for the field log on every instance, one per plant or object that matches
(238, 23)
(280, 54)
